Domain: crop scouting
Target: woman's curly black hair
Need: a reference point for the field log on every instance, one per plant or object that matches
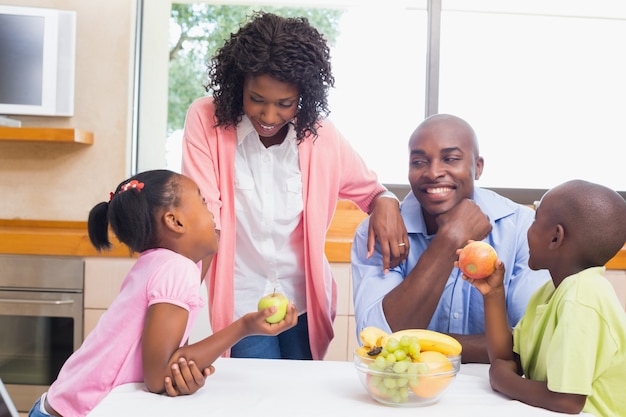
(288, 49)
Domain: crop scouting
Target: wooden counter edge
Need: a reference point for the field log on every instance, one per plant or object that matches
(39, 237)
(56, 238)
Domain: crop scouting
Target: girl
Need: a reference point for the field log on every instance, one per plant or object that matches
(162, 216)
(272, 169)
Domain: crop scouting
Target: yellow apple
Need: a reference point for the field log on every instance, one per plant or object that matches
(274, 299)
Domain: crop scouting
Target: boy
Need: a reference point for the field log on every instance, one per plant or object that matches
(568, 352)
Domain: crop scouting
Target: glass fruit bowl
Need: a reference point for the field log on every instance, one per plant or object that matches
(407, 383)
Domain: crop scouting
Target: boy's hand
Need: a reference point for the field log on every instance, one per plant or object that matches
(186, 378)
(501, 370)
(492, 283)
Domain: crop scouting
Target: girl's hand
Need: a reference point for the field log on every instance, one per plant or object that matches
(186, 378)
(256, 324)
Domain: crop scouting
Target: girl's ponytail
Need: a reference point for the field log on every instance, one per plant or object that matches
(98, 226)
(133, 211)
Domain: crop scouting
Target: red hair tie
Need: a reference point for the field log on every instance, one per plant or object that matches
(131, 184)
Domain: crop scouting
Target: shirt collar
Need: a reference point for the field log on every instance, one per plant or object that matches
(246, 130)
(493, 205)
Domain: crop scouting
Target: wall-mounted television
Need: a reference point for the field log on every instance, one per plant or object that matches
(37, 61)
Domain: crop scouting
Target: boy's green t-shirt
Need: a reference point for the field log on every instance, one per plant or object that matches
(575, 338)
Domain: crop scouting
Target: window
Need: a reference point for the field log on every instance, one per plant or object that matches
(544, 85)
(540, 81)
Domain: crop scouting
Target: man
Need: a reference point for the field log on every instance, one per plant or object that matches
(442, 213)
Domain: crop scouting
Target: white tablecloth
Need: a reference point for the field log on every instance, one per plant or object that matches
(261, 387)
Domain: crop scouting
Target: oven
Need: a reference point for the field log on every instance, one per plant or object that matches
(41, 321)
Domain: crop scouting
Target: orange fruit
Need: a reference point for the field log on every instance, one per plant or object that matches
(430, 384)
(477, 260)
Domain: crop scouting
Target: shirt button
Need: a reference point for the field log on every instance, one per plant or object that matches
(455, 315)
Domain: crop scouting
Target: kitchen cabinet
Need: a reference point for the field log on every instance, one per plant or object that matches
(104, 276)
(103, 279)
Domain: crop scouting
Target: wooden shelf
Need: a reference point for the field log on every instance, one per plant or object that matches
(46, 134)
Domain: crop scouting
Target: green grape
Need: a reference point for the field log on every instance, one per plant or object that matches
(379, 363)
(422, 368)
(375, 380)
(391, 358)
(400, 367)
(404, 394)
(377, 366)
(413, 368)
(395, 397)
(400, 355)
(405, 341)
(390, 382)
(397, 359)
(392, 345)
(414, 349)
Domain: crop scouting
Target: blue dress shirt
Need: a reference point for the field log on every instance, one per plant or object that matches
(460, 309)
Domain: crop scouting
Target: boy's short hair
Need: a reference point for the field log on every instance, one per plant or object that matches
(593, 215)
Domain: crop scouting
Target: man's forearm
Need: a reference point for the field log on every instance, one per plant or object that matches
(413, 303)
(474, 347)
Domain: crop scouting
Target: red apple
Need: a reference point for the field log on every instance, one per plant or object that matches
(477, 260)
(274, 299)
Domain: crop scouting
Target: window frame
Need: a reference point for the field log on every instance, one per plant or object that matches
(151, 87)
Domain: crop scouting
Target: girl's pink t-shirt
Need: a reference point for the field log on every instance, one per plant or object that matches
(111, 354)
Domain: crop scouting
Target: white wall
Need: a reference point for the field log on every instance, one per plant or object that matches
(59, 181)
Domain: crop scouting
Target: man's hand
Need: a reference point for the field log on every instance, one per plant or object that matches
(463, 222)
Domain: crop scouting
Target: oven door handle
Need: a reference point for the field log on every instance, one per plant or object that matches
(22, 301)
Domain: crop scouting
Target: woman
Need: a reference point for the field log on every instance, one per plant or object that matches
(272, 169)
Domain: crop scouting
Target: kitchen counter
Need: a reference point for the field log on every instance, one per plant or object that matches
(245, 387)
(40, 237)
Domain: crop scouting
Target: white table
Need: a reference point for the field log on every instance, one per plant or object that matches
(261, 387)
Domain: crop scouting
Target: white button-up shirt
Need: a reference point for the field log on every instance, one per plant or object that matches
(268, 205)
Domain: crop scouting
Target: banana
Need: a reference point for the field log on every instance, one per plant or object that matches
(371, 336)
(428, 340)
(362, 351)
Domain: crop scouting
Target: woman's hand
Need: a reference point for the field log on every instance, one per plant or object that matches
(387, 226)
(186, 378)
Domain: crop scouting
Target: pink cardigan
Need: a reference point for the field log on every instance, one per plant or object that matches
(331, 170)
